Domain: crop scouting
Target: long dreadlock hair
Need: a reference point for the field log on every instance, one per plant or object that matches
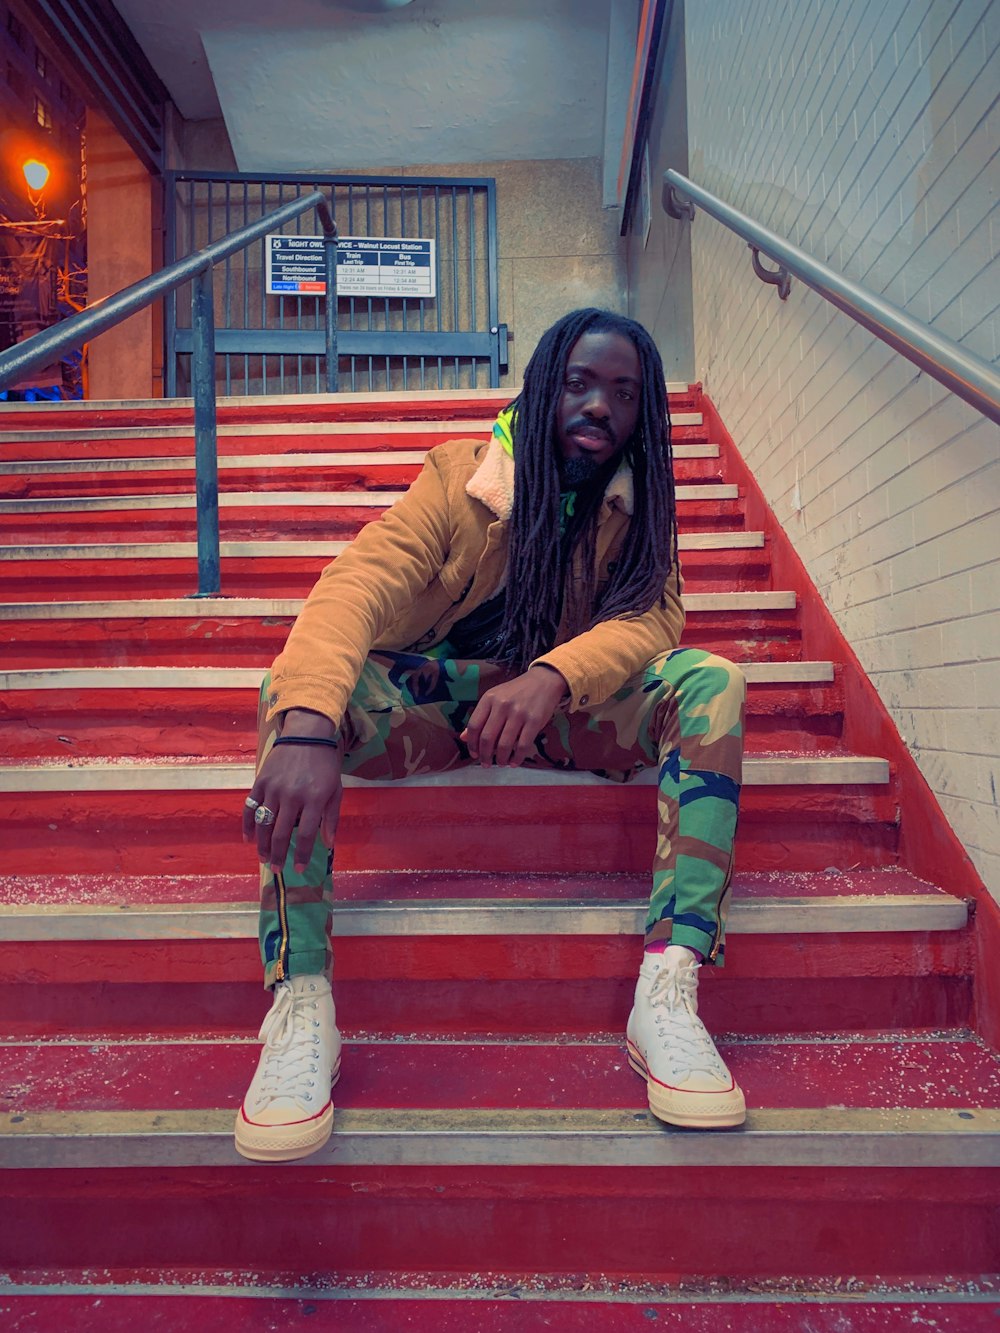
(541, 565)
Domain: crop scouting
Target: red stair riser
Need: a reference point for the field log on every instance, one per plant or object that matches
(326, 478)
(220, 724)
(987, 1018)
(893, 1224)
(309, 441)
(353, 407)
(374, 407)
(270, 523)
(209, 640)
(236, 1003)
(448, 959)
(122, 1312)
(86, 579)
(604, 828)
(316, 477)
(489, 984)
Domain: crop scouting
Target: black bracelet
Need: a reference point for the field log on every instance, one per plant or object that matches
(330, 741)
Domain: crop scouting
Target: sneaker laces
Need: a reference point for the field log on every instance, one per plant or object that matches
(673, 997)
(290, 1047)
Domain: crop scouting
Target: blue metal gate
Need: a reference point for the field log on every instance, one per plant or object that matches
(274, 343)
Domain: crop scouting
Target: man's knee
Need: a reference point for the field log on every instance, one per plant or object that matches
(693, 667)
(735, 681)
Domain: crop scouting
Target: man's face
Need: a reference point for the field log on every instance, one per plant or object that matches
(599, 404)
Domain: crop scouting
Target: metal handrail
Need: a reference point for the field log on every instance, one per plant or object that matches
(49, 345)
(965, 374)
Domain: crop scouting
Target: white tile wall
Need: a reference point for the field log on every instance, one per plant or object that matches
(868, 132)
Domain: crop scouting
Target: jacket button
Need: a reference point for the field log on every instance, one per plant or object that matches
(585, 698)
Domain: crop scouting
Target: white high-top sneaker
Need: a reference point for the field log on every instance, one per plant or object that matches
(686, 1078)
(288, 1110)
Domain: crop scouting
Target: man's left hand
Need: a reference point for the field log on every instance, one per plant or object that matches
(508, 718)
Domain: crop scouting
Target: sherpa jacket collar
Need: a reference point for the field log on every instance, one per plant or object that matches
(493, 483)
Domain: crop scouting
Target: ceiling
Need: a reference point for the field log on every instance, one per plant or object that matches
(312, 84)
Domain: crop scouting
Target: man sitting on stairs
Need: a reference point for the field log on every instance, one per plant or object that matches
(519, 606)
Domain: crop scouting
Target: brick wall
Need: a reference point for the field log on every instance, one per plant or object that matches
(868, 132)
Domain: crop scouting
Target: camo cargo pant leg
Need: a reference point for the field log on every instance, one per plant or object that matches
(682, 714)
(404, 718)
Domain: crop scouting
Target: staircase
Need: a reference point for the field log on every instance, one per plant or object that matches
(493, 1166)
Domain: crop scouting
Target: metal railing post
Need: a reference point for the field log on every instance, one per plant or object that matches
(332, 355)
(206, 462)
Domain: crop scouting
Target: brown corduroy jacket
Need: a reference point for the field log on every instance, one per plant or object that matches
(436, 555)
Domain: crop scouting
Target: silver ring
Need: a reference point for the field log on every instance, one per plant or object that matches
(250, 803)
(262, 815)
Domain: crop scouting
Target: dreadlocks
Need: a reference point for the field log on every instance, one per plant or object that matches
(541, 564)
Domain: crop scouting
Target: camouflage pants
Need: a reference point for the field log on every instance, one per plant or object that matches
(683, 714)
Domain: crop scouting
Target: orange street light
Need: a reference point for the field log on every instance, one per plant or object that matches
(36, 174)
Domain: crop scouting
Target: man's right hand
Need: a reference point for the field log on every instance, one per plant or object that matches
(302, 786)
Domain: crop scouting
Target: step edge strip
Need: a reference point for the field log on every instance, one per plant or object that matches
(830, 1136)
(477, 425)
(61, 504)
(177, 678)
(260, 550)
(199, 608)
(26, 467)
(859, 914)
(200, 776)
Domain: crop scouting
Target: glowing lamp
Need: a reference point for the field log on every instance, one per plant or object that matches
(36, 174)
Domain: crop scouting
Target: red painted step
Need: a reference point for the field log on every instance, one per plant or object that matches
(330, 1224)
(499, 986)
(904, 1071)
(419, 886)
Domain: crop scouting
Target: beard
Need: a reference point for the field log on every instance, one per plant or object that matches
(576, 472)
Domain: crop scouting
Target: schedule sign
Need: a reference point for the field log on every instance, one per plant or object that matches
(366, 266)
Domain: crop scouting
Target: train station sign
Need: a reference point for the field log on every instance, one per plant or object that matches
(366, 266)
